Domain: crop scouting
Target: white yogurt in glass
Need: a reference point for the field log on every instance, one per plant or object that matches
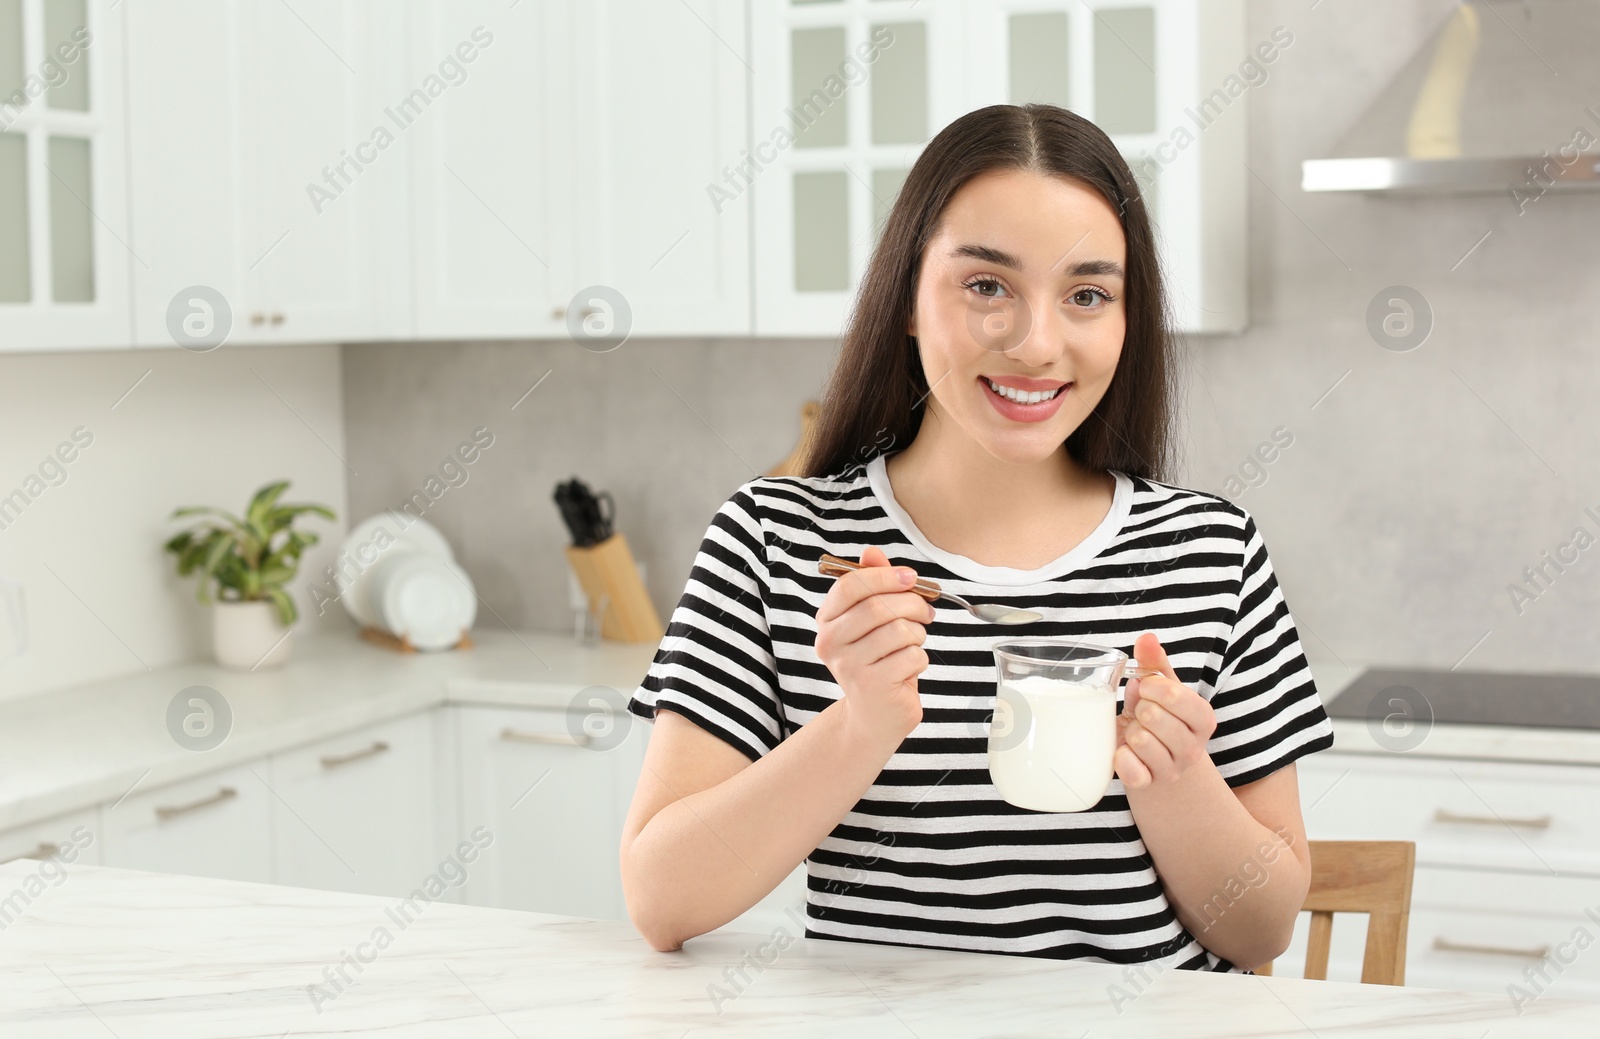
(1051, 743)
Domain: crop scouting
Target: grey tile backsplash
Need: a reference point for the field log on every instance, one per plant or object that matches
(669, 427)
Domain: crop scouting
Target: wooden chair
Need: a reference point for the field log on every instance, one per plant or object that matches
(1372, 877)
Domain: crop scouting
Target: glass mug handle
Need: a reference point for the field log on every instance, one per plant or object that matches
(1134, 670)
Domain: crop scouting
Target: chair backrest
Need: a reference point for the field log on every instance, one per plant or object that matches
(1372, 877)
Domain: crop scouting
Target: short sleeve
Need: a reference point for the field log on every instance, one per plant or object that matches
(1267, 708)
(715, 664)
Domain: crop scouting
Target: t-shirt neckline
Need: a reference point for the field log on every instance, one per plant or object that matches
(1088, 548)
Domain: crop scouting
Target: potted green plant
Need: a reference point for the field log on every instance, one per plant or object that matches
(247, 561)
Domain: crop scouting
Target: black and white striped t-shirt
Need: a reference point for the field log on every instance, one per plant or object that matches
(930, 855)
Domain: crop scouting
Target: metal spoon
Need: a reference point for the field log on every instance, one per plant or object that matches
(833, 566)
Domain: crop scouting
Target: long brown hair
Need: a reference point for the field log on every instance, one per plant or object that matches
(875, 393)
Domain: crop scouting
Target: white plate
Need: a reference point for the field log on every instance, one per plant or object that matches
(427, 600)
(373, 541)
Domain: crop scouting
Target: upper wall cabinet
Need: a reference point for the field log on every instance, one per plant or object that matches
(588, 149)
(366, 170)
(268, 171)
(493, 253)
(64, 252)
(848, 91)
(659, 102)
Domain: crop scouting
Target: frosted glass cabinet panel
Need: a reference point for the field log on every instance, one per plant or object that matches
(885, 186)
(71, 223)
(821, 232)
(814, 55)
(64, 20)
(10, 47)
(1125, 70)
(900, 85)
(65, 243)
(1040, 46)
(14, 252)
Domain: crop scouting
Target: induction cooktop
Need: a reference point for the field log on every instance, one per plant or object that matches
(1569, 701)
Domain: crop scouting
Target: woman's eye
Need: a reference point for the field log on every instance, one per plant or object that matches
(975, 283)
(1090, 297)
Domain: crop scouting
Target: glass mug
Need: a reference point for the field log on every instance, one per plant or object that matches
(1055, 721)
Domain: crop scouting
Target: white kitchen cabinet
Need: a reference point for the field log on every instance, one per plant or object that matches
(553, 792)
(357, 812)
(1136, 69)
(1482, 814)
(64, 237)
(268, 164)
(652, 221)
(553, 169)
(216, 825)
(1478, 931)
(1508, 867)
(493, 249)
(49, 836)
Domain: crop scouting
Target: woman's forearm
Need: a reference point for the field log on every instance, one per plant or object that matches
(708, 856)
(1234, 883)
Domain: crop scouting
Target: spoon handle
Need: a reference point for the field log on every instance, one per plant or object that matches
(833, 566)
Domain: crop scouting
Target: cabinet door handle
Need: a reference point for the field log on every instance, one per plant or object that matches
(1446, 945)
(335, 760)
(277, 319)
(258, 319)
(560, 739)
(168, 811)
(43, 851)
(1444, 815)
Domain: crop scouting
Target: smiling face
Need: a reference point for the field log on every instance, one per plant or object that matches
(1021, 289)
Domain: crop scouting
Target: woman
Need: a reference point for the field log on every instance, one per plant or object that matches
(998, 421)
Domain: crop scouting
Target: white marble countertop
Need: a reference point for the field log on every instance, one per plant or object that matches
(144, 955)
(72, 748)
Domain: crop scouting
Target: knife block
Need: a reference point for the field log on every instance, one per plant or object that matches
(611, 583)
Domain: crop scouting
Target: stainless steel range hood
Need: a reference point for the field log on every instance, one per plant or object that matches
(1504, 98)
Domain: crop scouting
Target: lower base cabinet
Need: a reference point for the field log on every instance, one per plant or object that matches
(216, 825)
(75, 838)
(1503, 934)
(1506, 896)
(356, 812)
(552, 787)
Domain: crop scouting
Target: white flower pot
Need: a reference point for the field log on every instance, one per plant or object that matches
(248, 636)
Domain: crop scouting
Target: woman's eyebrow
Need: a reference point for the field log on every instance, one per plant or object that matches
(989, 254)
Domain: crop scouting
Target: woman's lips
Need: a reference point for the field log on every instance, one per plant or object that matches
(1024, 412)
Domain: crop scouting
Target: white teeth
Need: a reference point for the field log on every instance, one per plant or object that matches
(1019, 396)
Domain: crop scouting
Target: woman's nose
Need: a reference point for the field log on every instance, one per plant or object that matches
(1039, 336)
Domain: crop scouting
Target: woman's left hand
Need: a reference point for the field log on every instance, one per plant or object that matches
(1164, 725)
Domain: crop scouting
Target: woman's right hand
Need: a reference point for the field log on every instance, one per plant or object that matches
(870, 631)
